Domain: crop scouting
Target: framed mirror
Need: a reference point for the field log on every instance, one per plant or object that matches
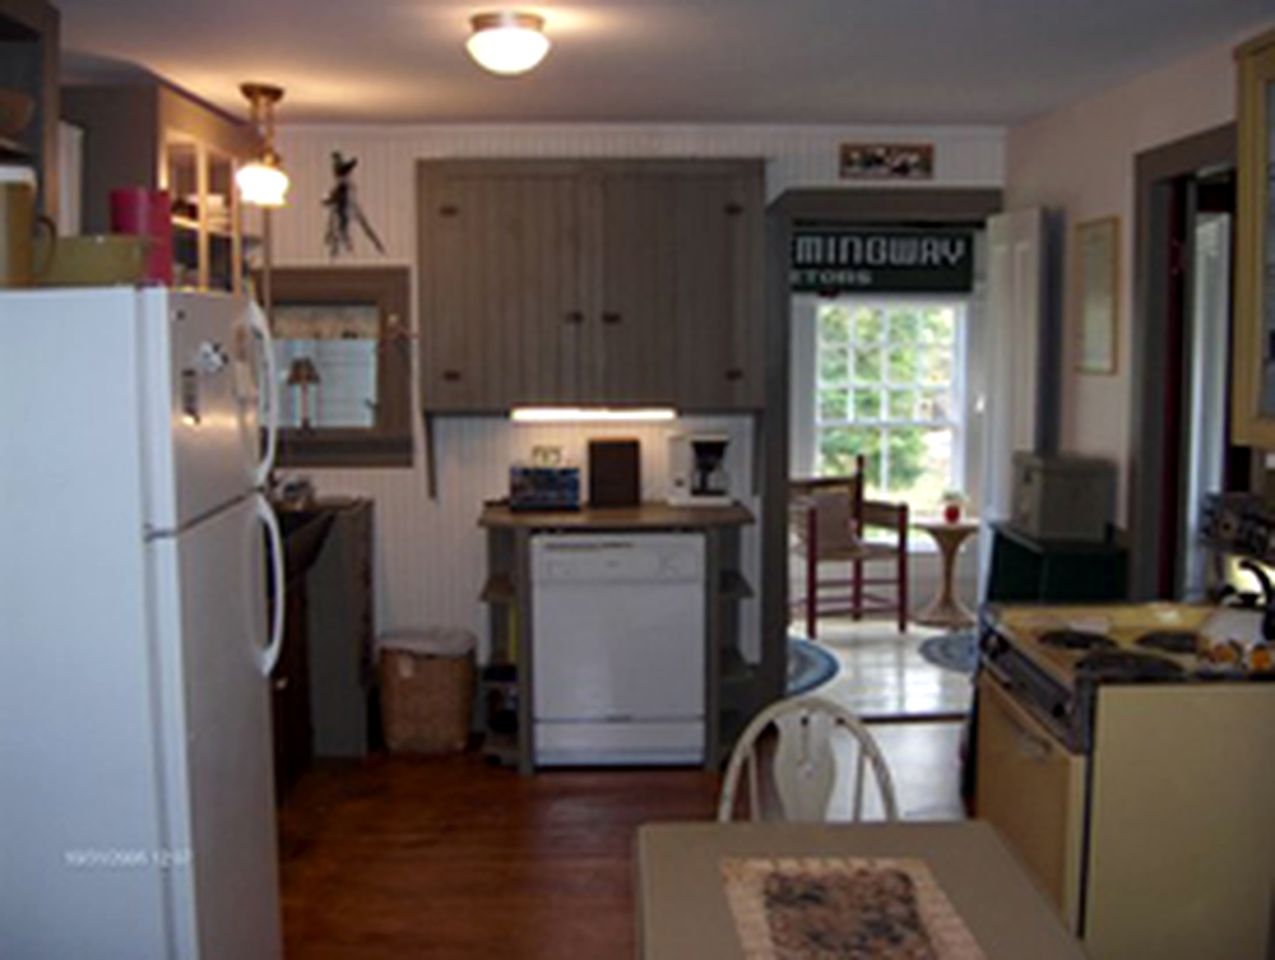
(342, 346)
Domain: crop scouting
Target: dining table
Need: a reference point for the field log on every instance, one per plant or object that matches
(989, 906)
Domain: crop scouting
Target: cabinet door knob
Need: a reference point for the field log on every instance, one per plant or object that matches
(734, 373)
(281, 684)
(611, 318)
(451, 376)
(574, 317)
(733, 209)
(448, 210)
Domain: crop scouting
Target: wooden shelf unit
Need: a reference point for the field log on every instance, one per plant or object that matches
(731, 694)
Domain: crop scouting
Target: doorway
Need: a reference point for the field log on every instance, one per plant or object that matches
(1210, 229)
(1180, 447)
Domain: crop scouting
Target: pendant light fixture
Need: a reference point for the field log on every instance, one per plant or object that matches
(507, 42)
(262, 181)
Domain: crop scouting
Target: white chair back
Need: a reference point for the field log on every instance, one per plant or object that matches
(820, 764)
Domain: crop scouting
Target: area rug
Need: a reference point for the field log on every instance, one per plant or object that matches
(809, 665)
(953, 651)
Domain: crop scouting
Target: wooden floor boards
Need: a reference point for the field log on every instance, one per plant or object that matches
(453, 858)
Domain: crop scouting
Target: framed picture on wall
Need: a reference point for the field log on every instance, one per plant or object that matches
(1096, 294)
(887, 161)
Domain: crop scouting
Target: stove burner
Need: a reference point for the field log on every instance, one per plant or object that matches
(1076, 640)
(1170, 641)
(1117, 665)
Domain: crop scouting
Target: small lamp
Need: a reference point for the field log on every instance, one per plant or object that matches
(304, 375)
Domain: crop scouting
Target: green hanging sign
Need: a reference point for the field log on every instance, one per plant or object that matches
(837, 260)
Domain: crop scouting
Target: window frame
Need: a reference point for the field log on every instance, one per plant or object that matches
(389, 442)
(809, 379)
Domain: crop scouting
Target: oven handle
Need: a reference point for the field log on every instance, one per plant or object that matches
(1034, 746)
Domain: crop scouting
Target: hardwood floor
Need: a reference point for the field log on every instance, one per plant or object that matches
(454, 858)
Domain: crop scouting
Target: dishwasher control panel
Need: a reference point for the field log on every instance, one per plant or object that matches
(592, 557)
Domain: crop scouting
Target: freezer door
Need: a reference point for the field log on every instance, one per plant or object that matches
(219, 790)
(80, 832)
(200, 366)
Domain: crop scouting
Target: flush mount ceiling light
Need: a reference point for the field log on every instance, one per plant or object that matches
(262, 181)
(507, 42)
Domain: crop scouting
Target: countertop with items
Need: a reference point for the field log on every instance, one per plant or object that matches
(654, 516)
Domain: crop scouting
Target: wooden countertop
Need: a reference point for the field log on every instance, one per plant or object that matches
(684, 913)
(646, 516)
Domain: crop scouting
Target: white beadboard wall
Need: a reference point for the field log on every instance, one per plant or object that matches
(796, 156)
(430, 554)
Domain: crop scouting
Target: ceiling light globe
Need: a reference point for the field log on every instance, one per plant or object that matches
(262, 185)
(507, 43)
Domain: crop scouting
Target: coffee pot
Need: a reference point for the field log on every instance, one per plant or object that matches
(697, 470)
(19, 225)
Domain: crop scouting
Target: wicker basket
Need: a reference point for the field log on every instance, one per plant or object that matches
(427, 691)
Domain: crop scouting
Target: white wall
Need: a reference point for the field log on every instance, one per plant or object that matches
(1080, 159)
(429, 554)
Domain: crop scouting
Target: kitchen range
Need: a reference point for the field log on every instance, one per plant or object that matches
(1123, 751)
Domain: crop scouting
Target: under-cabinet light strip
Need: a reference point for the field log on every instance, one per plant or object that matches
(591, 414)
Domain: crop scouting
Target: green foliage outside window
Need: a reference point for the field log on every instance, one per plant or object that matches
(887, 389)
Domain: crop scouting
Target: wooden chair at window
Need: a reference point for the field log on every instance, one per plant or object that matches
(830, 519)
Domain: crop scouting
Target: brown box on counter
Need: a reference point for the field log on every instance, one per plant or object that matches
(615, 474)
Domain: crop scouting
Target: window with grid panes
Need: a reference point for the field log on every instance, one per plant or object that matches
(888, 383)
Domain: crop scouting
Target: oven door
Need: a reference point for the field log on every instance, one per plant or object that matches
(1032, 789)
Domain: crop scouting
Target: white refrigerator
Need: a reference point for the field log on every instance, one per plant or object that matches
(136, 786)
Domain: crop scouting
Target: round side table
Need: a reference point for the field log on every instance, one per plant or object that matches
(946, 610)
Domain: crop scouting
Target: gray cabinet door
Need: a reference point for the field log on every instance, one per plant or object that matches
(502, 291)
(719, 290)
(632, 337)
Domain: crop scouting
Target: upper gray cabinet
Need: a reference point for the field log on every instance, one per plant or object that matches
(551, 282)
(29, 64)
(1253, 344)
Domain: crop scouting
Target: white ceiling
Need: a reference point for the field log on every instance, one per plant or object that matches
(715, 61)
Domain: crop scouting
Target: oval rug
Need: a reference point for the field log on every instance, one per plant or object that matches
(953, 651)
(809, 665)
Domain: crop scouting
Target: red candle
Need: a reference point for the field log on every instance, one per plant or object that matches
(141, 212)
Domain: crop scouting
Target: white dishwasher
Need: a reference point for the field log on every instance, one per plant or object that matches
(618, 648)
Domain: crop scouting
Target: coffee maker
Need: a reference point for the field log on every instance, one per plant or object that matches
(697, 470)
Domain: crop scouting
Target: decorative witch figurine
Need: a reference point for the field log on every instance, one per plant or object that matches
(343, 204)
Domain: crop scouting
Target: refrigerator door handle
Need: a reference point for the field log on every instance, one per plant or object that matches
(268, 656)
(260, 325)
